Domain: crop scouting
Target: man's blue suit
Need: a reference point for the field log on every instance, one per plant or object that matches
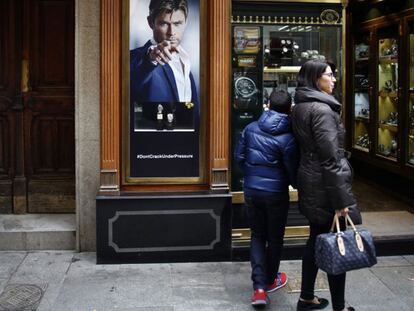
(154, 83)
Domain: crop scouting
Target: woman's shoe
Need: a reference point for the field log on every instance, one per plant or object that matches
(304, 305)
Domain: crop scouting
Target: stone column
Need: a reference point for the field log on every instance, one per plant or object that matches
(87, 87)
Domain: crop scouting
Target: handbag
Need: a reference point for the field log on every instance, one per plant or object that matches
(341, 251)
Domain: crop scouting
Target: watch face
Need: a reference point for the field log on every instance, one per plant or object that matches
(245, 86)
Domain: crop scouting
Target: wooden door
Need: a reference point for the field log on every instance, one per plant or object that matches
(37, 161)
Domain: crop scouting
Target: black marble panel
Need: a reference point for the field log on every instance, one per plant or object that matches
(163, 228)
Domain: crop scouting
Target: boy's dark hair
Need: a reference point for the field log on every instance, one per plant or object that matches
(280, 101)
(158, 7)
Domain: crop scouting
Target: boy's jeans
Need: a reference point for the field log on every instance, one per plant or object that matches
(267, 218)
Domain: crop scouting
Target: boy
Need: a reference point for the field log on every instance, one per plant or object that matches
(269, 156)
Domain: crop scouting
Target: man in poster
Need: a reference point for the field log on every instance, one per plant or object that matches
(164, 123)
(161, 70)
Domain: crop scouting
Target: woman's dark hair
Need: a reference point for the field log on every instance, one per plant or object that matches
(310, 72)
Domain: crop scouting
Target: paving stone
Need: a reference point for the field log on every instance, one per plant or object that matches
(198, 267)
(3, 283)
(190, 279)
(76, 283)
(288, 265)
(392, 261)
(364, 288)
(77, 294)
(44, 267)
(409, 258)
(155, 270)
(221, 307)
(235, 268)
(399, 280)
(210, 296)
(145, 291)
(295, 280)
(9, 261)
(182, 296)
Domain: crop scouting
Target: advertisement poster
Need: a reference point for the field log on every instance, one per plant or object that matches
(164, 88)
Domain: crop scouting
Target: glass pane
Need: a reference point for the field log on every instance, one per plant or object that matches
(388, 97)
(410, 155)
(361, 131)
(247, 78)
(287, 47)
(267, 57)
(410, 149)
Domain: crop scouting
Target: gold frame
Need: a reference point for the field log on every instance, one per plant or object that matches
(126, 179)
(241, 237)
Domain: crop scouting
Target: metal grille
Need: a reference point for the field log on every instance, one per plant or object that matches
(21, 297)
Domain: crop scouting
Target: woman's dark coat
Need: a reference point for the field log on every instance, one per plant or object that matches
(325, 175)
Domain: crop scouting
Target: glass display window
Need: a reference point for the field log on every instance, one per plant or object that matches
(410, 143)
(267, 57)
(362, 87)
(287, 47)
(410, 115)
(388, 101)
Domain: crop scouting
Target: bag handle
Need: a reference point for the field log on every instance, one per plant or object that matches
(358, 238)
(340, 241)
(335, 223)
(348, 221)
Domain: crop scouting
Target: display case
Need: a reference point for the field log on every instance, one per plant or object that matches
(382, 79)
(267, 57)
(362, 93)
(387, 46)
(410, 115)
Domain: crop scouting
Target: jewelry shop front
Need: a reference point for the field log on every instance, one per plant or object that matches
(170, 190)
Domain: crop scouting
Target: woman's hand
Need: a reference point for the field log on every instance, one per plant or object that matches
(342, 212)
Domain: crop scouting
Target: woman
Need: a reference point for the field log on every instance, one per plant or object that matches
(324, 176)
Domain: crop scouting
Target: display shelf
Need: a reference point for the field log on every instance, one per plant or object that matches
(282, 69)
(385, 60)
(387, 157)
(384, 94)
(362, 119)
(364, 59)
(363, 149)
(390, 127)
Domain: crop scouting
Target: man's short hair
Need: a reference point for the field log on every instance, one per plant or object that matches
(158, 7)
(280, 101)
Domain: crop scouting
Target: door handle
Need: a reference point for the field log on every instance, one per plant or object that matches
(25, 85)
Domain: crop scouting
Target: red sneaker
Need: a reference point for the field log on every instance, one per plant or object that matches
(279, 282)
(259, 298)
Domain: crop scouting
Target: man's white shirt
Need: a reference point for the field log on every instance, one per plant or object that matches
(181, 66)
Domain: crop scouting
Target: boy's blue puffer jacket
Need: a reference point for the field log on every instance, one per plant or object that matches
(268, 154)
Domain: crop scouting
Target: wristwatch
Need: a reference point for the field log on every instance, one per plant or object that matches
(245, 93)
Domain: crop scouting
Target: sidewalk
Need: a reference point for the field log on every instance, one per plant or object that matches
(73, 282)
